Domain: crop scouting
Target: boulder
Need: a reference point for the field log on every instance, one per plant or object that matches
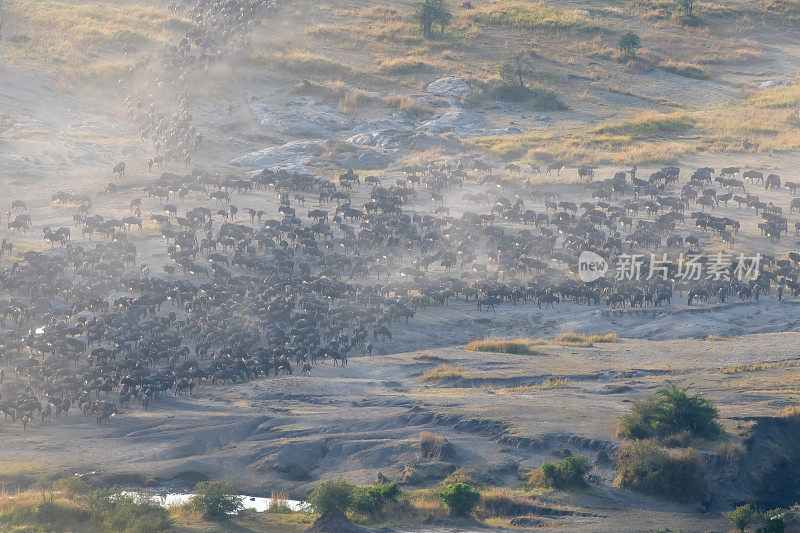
(450, 87)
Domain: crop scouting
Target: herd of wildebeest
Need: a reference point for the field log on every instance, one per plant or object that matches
(315, 268)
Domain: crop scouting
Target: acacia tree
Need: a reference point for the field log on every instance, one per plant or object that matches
(433, 12)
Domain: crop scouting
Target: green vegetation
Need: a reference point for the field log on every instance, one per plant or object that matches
(370, 499)
(331, 495)
(432, 13)
(741, 517)
(672, 414)
(216, 499)
(460, 498)
(629, 43)
(129, 513)
(646, 467)
(566, 474)
(339, 495)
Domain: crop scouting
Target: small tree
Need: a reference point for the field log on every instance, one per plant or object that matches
(512, 71)
(629, 43)
(741, 517)
(216, 499)
(460, 498)
(335, 494)
(433, 12)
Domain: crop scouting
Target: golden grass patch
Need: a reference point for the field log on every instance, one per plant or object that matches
(444, 372)
(512, 346)
(579, 340)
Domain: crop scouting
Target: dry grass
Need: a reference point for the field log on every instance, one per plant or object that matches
(512, 346)
(758, 367)
(404, 65)
(782, 96)
(353, 99)
(655, 137)
(444, 373)
(551, 383)
(413, 108)
(303, 62)
(716, 337)
(432, 446)
(792, 411)
(85, 40)
(534, 16)
(579, 340)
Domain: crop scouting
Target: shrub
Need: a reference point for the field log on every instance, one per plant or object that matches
(216, 499)
(669, 413)
(741, 517)
(370, 499)
(460, 499)
(648, 468)
(566, 474)
(331, 495)
(537, 98)
(774, 521)
(129, 513)
(629, 43)
(73, 486)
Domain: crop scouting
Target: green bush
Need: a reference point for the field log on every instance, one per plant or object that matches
(216, 499)
(646, 467)
(73, 486)
(669, 413)
(774, 521)
(741, 517)
(568, 473)
(460, 498)
(330, 495)
(370, 499)
(128, 513)
(629, 43)
(536, 98)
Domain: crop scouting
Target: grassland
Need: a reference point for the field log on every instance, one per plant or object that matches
(85, 40)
